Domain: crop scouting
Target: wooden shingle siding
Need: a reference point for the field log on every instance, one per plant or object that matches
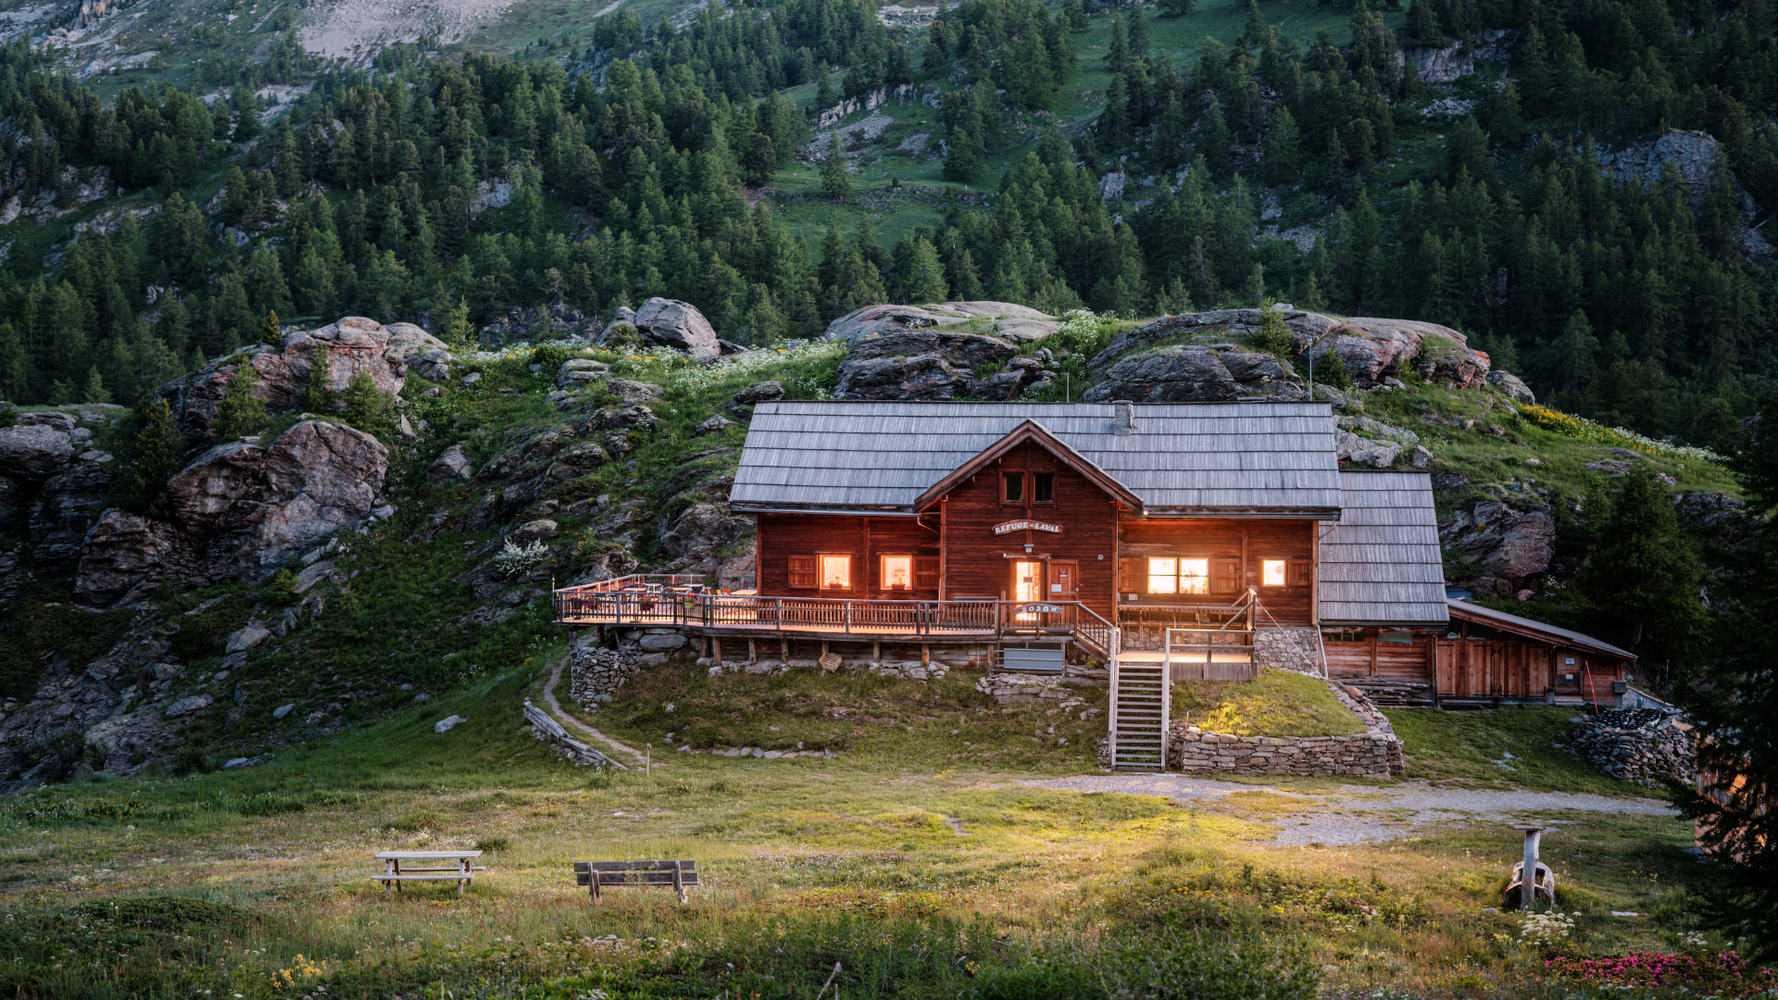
(843, 455)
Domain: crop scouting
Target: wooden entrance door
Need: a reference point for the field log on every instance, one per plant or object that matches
(1064, 580)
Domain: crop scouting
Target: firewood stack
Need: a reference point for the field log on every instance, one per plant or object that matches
(1643, 745)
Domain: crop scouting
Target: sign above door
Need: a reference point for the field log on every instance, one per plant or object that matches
(1009, 526)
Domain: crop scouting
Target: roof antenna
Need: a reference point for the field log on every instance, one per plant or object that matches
(1123, 417)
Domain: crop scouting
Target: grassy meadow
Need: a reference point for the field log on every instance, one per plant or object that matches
(921, 866)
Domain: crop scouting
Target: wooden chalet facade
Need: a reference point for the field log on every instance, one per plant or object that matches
(1106, 532)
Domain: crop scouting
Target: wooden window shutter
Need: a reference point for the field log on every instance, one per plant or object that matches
(1299, 573)
(1129, 576)
(926, 572)
(802, 571)
(1225, 576)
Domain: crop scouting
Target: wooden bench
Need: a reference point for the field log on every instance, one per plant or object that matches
(393, 874)
(600, 875)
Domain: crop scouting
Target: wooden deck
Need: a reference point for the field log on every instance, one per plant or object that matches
(639, 602)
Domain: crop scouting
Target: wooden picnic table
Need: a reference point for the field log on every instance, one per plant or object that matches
(460, 872)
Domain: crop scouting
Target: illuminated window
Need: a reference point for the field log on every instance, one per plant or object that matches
(1194, 576)
(836, 572)
(1013, 485)
(1043, 487)
(1163, 576)
(1179, 576)
(1272, 572)
(898, 572)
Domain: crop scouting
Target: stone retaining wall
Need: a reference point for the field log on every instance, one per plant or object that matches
(1376, 751)
(1645, 746)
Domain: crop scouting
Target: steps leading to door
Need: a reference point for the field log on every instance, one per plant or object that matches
(1140, 712)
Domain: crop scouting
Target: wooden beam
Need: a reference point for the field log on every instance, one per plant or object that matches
(1315, 573)
(943, 552)
(752, 652)
(925, 653)
(876, 651)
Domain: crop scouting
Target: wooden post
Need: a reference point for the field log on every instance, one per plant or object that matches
(925, 653)
(784, 642)
(678, 882)
(876, 651)
(716, 641)
(752, 652)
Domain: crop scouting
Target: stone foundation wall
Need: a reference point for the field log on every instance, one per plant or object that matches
(596, 674)
(912, 670)
(1376, 751)
(1294, 649)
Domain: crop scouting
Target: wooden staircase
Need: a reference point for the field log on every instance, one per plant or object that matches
(1140, 712)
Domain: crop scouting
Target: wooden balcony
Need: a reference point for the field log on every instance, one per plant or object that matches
(683, 603)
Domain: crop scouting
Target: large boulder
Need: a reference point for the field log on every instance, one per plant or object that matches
(1004, 320)
(917, 364)
(1196, 373)
(1507, 543)
(35, 451)
(354, 344)
(241, 510)
(1367, 347)
(676, 324)
(408, 342)
(1512, 387)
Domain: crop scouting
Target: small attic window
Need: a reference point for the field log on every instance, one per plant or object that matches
(1012, 487)
(1043, 487)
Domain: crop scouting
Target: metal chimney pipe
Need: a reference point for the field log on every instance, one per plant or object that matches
(1123, 417)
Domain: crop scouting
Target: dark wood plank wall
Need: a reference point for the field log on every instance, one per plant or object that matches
(1477, 668)
(1246, 543)
(864, 538)
(976, 563)
(1370, 656)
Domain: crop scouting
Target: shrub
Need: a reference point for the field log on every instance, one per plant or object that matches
(366, 408)
(190, 759)
(242, 409)
(281, 587)
(1272, 336)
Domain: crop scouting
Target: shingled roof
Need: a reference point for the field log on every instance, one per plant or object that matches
(1381, 563)
(1228, 458)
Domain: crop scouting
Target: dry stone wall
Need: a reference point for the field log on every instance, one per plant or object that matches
(1643, 745)
(599, 673)
(1294, 649)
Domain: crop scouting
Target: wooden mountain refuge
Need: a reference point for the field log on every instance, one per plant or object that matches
(1141, 543)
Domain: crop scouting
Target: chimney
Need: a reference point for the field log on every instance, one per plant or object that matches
(1123, 417)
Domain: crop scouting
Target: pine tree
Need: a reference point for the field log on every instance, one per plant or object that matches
(455, 325)
(158, 448)
(93, 390)
(1281, 161)
(318, 394)
(365, 407)
(835, 180)
(242, 409)
(1641, 582)
(1177, 8)
(1118, 54)
(925, 278)
(270, 333)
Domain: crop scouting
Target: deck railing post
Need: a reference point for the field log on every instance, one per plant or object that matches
(778, 613)
(848, 617)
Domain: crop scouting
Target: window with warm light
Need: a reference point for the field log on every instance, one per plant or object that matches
(1271, 572)
(1194, 576)
(1174, 575)
(836, 572)
(898, 572)
(1163, 576)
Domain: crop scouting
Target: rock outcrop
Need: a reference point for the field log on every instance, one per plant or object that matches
(240, 511)
(917, 364)
(1512, 387)
(1196, 373)
(1016, 323)
(676, 324)
(1368, 348)
(354, 344)
(1508, 543)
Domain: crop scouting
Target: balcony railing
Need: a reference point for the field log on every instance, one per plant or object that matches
(654, 601)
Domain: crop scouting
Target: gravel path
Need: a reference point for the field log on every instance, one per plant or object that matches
(1357, 814)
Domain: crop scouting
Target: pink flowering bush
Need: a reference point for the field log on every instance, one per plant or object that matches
(1724, 974)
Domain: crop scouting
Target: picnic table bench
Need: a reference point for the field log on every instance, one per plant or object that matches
(599, 875)
(460, 872)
